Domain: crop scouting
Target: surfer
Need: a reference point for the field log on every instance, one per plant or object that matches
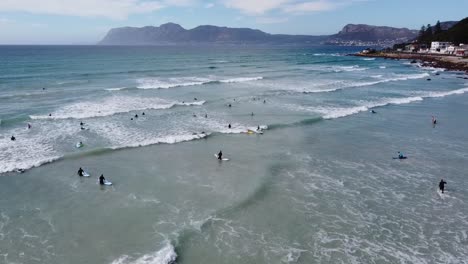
(81, 123)
(143, 113)
(206, 115)
(13, 138)
(29, 126)
(252, 114)
(400, 155)
(229, 126)
(102, 179)
(434, 120)
(442, 185)
(136, 116)
(229, 105)
(258, 128)
(220, 155)
(50, 114)
(264, 101)
(374, 112)
(80, 171)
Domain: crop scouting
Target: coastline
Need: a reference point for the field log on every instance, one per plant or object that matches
(427, 60)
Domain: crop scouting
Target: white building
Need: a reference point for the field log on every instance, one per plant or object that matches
(440, 47)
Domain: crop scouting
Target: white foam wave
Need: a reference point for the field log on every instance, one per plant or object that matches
(110, 106)
(338, 112)
(341, 84)
(115, 89)
(401, 77)
(382, 67)
(328, 54)
(166, 255)
(191, 103)
(348, 68)
(169, 139)
(241, 79)
(368, 59)
(155, 83)
(32, 148)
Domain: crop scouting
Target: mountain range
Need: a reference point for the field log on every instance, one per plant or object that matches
(171, 33)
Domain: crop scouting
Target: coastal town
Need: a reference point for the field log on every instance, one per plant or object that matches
(434, 47)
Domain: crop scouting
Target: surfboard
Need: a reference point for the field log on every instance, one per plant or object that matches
(85, 174)
(106, 182)
(224, 159)
(439, 192)
(79, 145)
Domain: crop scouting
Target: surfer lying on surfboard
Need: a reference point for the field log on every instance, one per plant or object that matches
(400, 156)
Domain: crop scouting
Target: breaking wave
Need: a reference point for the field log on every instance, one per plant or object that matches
(156, 83)
(110, 106)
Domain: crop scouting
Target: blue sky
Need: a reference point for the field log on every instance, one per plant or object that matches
(87, 21)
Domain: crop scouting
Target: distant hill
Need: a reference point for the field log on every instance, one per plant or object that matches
(447, 24)
(458, 33)
(368, 33)
(171, 33)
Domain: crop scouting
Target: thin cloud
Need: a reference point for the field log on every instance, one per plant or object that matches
(114, 9)
(310, 7)
(261, 7)
(209, 5)
(255, 7)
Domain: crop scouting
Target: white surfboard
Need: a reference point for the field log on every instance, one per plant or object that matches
(85, 174)
(439, 192)
(106, 182)
(224, 159)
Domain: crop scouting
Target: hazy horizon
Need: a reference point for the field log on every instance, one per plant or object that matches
(86, 22)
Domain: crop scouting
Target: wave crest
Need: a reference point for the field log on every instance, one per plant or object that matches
(165, 255)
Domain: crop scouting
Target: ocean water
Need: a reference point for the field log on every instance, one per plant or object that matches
(318, 186)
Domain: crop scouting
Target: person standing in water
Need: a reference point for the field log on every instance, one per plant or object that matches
(102, 179)
(442, 185)
(434, 121)
(80, 171)
(29, 126)
(220, 155)
(229, 126)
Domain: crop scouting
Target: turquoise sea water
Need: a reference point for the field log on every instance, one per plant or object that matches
(318, 186)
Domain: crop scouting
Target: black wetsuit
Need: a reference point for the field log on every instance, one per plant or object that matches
(220, 155)
(442, 185)
(101, 180)
(80, 172)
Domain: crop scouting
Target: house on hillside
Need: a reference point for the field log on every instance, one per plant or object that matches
(461, 50)
(440, 47)
(413, 47)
